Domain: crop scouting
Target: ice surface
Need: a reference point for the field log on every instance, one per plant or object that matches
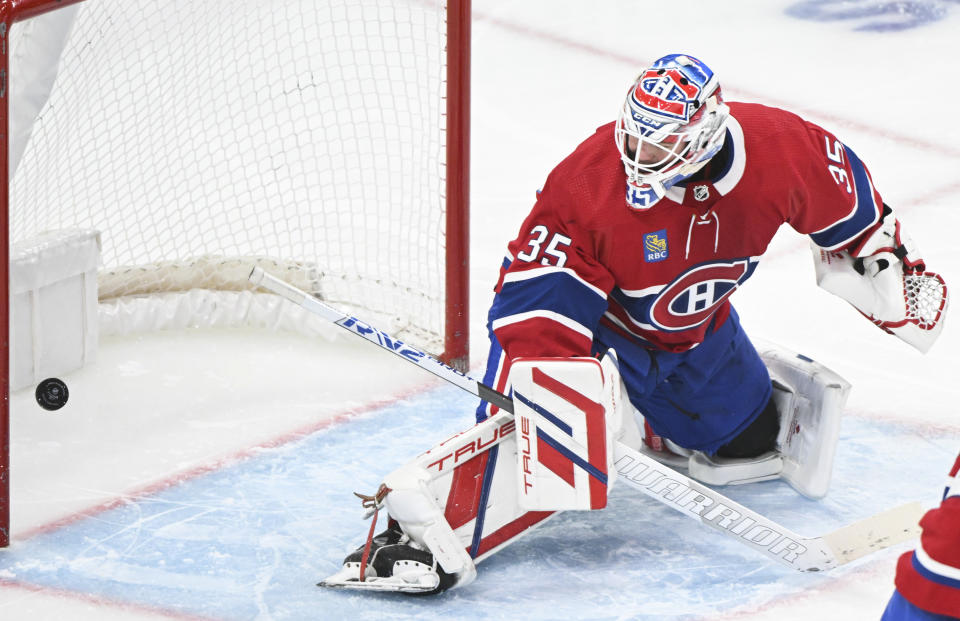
(248, 540)
(208, 475)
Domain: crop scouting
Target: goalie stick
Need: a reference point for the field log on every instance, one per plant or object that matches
(636, 469)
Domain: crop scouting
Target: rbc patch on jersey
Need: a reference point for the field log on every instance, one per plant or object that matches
(655, 246)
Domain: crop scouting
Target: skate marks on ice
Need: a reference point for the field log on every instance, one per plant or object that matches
(251, 540)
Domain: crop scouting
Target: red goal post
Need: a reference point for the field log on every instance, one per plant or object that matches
(327, 141)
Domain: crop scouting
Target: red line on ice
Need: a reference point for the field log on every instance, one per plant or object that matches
(97, 600)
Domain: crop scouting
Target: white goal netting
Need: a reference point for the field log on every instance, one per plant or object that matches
(201, 137)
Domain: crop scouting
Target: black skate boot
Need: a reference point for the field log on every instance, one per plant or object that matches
(394, 563)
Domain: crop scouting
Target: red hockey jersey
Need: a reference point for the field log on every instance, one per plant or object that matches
(929, 577)
(585, 260)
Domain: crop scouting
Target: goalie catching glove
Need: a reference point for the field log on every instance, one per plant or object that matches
(884, 278)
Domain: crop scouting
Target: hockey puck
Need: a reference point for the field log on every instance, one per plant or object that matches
(52, 394)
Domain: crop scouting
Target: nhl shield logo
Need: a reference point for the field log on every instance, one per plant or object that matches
(655, 246)
(701, 192)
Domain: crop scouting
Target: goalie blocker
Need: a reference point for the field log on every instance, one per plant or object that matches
(463, 500)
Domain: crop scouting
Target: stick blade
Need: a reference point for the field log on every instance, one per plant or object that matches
(875, 533)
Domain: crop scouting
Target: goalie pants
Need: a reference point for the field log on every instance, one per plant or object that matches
(700, 399)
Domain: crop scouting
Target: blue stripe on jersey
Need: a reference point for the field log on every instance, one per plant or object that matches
(490, 375)
(933, 576)
(867, 211)
(562, 426)
(638, 308)
(558, 292)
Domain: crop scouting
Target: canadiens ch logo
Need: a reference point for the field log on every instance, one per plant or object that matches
(694, 296)
(666, 91)
(655, 246)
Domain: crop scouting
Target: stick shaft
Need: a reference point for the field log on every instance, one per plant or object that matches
(380, 338)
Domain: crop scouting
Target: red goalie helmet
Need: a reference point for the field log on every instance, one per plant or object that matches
(672, 122)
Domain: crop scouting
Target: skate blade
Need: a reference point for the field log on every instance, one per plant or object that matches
(348, 578)
(378, 585)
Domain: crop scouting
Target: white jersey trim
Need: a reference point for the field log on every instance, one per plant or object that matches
(936, 567)
(640, 293)
(541, 271)
(614, 319)
(543, 314)
(739, 164)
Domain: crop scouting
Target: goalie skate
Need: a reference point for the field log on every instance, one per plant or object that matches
(416, 579)
(394, 565)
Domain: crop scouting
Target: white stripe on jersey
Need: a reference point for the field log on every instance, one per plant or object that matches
(542, 271)
(543, 314)
(641, 293)
(613, 318)
(935, 566)
(739, 164)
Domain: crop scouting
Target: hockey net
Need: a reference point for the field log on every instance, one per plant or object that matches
(324, 141)
(202, 137)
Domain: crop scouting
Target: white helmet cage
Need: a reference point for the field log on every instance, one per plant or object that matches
(672, 122)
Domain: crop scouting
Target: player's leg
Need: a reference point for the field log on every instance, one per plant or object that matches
(477, 492)
(759, 437)
(435, 503)
(703, 398)
(733, 414)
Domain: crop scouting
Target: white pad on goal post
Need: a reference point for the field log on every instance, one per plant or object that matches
(565, 411)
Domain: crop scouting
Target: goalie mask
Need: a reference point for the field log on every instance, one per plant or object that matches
(672, 122)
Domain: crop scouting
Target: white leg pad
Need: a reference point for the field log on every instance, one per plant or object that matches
(810, 398)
